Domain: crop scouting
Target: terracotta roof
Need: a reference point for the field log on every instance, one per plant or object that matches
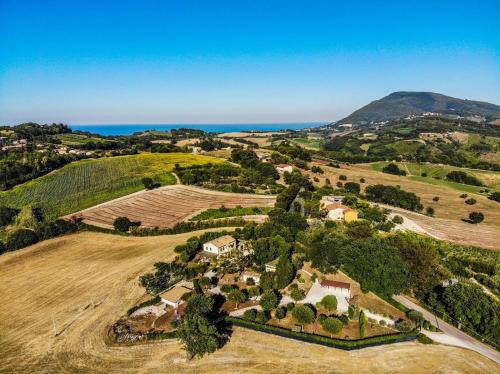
(223, 241)
(284, 165)
(249, 273)
(330, 283)
(338, 206)
(174, 294)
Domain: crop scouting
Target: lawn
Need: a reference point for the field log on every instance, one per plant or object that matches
(83, 184)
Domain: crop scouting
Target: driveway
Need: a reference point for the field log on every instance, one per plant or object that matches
(450, 334)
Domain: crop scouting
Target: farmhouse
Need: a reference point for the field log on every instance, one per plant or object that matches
(173, 297)
(338, 288)
(221, 245)
(250, 275)
(284, 167)
(331, 199)
(271, 266)
(339, 212)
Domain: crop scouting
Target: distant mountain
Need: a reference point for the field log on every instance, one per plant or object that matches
(402, 104)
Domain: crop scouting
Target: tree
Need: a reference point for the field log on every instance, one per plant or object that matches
(7, 215)
(429, 211)
(470, 201)
(297, 294)
(198, 333)
(397, 219)
(267, 280)
(435, 199)
(359, 229)
(332, 325)
(254, 291)
(250, 314)
(352, 187)
(27, 218)
(237, 296)
(284, 272)
(416, 317)
(148, 183)
(21, 238)
(476, 217)
(362, 324)
(280, 312)
(269, 300)
(393, 169)
(123, 224)
(303, 314)
(495, 196)
(329, 302)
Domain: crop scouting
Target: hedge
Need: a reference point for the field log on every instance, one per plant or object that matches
(161, 335)
(324, 340)
(153, 301)
(177, 229)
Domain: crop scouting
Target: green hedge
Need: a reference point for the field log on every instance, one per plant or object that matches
(161, 335)
(324, 340)
(152, 301)
(177, 229)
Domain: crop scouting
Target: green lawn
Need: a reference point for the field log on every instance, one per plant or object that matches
(490, 178)
(229, 212)
(83, 184)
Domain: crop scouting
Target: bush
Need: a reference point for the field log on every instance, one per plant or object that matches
(148, 183)
(332, 325)
(470, 201)
(397, 219)
(280, 313)
(424, 339)
(7, 215)
(250, 314)
(297, 294)
(362, 180)
(303, 314)
(342, 177)
(462, 177)
(254, 291)
(21, 238)
(329, 302)
(429, 211)
(435, 198)
(393, 169)
(262, 316)
(352, 187)
(269, 300)
(476, 217)
(250, 281)
(290, 306)
(226, 288)
(403, 325)
(123, 224)
(495, 196)
(464, 195)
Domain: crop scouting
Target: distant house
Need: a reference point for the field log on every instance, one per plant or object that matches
(250, 274)
(331, 199)
(284, 167)
(196, 150)
(173, 297)
(221, 245)
(339, 212)
(342, 288)
(449, 282)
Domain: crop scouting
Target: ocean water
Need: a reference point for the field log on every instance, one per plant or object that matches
(129, 129)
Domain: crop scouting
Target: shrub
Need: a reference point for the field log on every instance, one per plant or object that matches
(303, 314)
(290, 306)
(332, 325)
(397, 219)
(254, 291)
(7, 215)
(280, 312)
(462, 177)
(350, 312)
(495, 196)
(297, 294)
(435, 198)
(250, 314)
(250, 281)
(269, 300)
(464, 195)
(382, 322)
(226, 288)
(424, 339)
(362, 180)
(424, 175)
(352, 187)
(21, 238)
(403, 325)
(342, 177)
(329, 302)
(476, 217)
(470, 201)
(148, 183)
(262, 316)
(429, 211)
(393, 169)
(152, 301)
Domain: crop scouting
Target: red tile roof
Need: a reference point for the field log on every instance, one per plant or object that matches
(284, 165)
(330, 283)
(338, 206)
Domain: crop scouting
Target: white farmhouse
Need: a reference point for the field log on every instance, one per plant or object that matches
(221, 245)
(284, 167)
(337, 288)
(173, 297)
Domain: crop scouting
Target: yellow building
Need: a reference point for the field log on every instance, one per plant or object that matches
(339, 212)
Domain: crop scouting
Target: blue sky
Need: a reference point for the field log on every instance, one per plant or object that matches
(237, 61)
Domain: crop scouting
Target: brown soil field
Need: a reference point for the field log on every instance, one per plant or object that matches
(84, 282)
(167, 206)
(449, 210)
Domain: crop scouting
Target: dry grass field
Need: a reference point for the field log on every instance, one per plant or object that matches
(449, 210)
(84, 282)
(167, 206)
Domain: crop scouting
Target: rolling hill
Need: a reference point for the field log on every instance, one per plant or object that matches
(404, 103)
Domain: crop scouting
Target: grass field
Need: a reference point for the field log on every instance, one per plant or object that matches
(307, 142)
(80, 284)
(83, 184)
(490, 178)
(77, 138)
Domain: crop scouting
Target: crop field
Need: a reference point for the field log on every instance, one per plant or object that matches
(449, 210)
(82, 184)
(167, 206)
(61, 296)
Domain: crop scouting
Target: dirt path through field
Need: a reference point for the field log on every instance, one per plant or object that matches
(84, 282)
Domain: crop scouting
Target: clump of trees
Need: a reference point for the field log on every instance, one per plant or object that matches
(393, 169)
(463, 177)
(124, 224)
(393, 196)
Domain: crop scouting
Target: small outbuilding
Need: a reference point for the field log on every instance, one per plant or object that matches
(342, 288)
(173, 297)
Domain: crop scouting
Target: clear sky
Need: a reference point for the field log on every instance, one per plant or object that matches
(216, 61)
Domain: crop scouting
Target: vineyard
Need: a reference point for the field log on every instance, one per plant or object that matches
(89, 182)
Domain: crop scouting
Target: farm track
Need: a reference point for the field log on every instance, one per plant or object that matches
(86, 281)
(167, 206)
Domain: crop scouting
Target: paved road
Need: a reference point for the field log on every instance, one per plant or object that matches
(450, 334)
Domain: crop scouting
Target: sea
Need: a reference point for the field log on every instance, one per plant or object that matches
(129, 129)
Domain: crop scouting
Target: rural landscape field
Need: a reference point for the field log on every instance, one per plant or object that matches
(249, 187)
